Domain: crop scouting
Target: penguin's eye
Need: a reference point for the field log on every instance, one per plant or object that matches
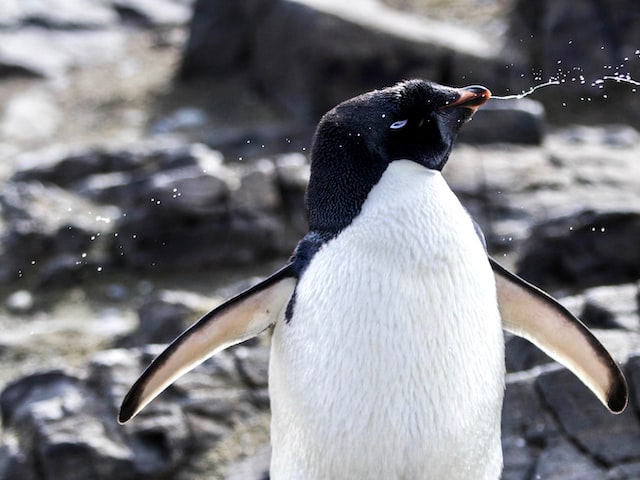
(398, 125)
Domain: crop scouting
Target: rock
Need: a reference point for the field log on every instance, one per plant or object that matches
(598, 316)
(631, 470)
(255, 467)
(176, 207)
(585, 249)
(563, 461)
(62, 14)
(30, 115)
(62, 425)
(153, 13)
(585, 420)
(211, 27)
(527, 426)
(506, 121)
(551, 424)
(20, 301)
(59, 51)
(293, 175)
(578, 42)
(164, 316)
(38, 234)
(523, 355)
(54, 413)
(365, 44)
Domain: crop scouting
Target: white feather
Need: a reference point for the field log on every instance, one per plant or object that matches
(393, 363)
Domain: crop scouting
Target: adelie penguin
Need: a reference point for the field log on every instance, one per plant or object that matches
(387, 357)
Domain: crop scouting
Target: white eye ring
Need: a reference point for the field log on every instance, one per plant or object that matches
(398, 125)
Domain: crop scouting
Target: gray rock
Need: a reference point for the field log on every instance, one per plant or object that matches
(563, 461)
(153, 13)
(506, 121)
(177, 207)
(527, 426)
(61, 425)
(585, 420)
(624, 471)
(255, 467)
(31, 115)
(58, 51)
(221, 23)
(363, 43)
(523, 355)
(20, 301)
(60, 14)
(56, 420)
(37, 233)
(164, 316)
(293, 175)
(585, 249)
(580, 42)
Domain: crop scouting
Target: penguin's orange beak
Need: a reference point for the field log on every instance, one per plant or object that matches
(471, 97)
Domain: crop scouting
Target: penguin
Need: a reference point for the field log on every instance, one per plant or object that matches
(387, 354)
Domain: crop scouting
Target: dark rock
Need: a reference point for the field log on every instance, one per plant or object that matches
(584, 419)
(253, 365)
(48, 224)
(598, 316)
(159, 13)
(563, 461)
(585, 249)
(164, 316)
(57, 420)
(69, 169)
(632, 371)
(249, 142)
(624, 471)
(526, 426)
(578, 42)
(59, 425)
(293, 176)
(523, 355)
(178, 207)
(612, 306)
(214, 24)
(364, 44)
(65, 270)
(506, 121)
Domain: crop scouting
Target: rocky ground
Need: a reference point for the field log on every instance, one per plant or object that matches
(131, 203)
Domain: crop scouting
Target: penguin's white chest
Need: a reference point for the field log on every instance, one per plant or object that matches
(393, 363)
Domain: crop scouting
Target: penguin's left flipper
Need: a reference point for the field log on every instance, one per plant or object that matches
(532, 314)
(240, 318)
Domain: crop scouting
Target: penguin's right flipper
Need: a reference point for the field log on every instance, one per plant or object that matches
(238, 319)
(532, 314)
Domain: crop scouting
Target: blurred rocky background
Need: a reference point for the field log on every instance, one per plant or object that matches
(154, 161)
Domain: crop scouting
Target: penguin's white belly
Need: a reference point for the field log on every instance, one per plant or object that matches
(393, 363)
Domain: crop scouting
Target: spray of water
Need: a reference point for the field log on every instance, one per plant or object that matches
(527, 92)
(619, 79)
(575, 75)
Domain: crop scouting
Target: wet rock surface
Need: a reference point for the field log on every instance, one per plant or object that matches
(133, 202)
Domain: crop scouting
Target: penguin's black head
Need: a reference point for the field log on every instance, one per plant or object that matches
(355, 142)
